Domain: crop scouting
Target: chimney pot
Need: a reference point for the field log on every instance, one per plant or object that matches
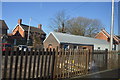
(19, 21)
(40, 26)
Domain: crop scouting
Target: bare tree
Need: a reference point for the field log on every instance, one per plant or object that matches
(37, 42)
(59, 21)
(83, 26)
(77, 25)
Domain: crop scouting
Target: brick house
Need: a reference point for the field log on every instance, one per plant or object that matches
(104, 35)
(3, 31)
(20, 33)
(67, 41)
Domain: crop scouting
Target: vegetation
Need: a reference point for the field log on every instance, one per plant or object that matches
(59, 21)
(37, 43)
(76, 25)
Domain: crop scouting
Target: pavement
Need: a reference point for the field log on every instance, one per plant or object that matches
(111, 74)
(105, 74)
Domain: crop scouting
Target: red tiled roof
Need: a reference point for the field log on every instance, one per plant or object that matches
(32, 29)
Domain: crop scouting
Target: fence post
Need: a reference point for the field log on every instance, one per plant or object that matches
(21, 63)
(30, 64)
(38, 62)
(5, 63)
(26, 63)
(45, 65)
(42, 60)
(56, 64)
(48, 68)
(60, 70)
(79, 62)
(11, 63)
(16, 63)
(34, 64)
(0, 65)
(53, 62)
(64, 63)
(106, 58)
(1, 60)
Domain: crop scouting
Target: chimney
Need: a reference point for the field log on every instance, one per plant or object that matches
(63, 28)
(40, 26)
(19, 21)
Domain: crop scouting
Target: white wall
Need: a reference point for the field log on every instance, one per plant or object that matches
(118, 47)
(105, 46)
(102, 46)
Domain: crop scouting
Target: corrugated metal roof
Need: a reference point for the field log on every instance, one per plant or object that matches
(67, 38)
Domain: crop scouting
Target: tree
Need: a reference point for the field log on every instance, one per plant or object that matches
(59, 21)
(37, 42)
(83, 26)
(76, 26)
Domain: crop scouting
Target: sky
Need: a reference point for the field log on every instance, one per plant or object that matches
(43, 12)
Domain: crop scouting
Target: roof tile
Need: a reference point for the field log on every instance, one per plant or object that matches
(32, 29)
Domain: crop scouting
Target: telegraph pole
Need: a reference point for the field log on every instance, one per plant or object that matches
(112, 27)
(28, 37)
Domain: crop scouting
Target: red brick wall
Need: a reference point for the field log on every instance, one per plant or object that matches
(51, 40)
(19, 29)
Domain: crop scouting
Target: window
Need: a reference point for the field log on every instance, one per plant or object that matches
(84, 48)
(42, 36)
(75, 47)
(106, 49)
(66, 47)
(8, 45)
(14, 41)
(99, 48)
(50, 46)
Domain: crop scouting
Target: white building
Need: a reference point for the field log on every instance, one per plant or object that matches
(63, 40)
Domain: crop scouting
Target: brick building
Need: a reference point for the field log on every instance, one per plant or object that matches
(3, 27)
(67, 41)
(104, 35)
(20, 33)
(3, 31)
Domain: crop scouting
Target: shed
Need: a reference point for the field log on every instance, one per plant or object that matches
(64, 40)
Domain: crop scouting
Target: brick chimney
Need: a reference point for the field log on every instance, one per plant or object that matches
(19, 21)
(40, 26)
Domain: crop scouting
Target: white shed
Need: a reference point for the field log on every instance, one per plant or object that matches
(64, 38)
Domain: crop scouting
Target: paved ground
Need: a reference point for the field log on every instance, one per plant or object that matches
(105, 74)
(113, 74)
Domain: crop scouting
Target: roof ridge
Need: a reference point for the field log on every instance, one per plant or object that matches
(114, 36)
(77, 35)
(68, 38)
(33, 29)
(28, 25)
